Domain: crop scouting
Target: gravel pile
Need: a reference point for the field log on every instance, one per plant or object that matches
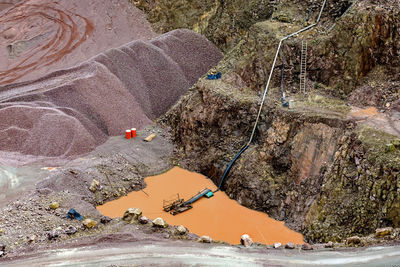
(70, 112)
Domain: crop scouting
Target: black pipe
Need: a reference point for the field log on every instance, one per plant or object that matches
(226, 172)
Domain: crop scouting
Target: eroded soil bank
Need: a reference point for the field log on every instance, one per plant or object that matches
(219, 217)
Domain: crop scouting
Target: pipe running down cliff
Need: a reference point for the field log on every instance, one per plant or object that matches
(226, 172)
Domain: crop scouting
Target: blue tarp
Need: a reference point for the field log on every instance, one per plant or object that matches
(73, 214)
(214, 76)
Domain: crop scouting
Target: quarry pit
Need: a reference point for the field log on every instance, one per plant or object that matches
(320, 172)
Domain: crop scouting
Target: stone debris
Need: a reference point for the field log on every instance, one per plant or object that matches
(354, 240)
(289, 245)
(205, 239)
(329, 245)
(89, 223)
(246, 240)
(181, 230)
(105, 219)
(70, 230)
(159, 222)
(132, 214)
(277, 245)
(55, 233)
(117, 86)
(32, 238)
(143, 220)
(306, 246)
(2, 249)
(94, 186)
(382, 232)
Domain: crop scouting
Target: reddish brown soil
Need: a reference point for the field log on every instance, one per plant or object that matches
(219, 217)
(388, 122)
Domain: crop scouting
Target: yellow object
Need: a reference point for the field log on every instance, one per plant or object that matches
(150, 137)
(54, 205)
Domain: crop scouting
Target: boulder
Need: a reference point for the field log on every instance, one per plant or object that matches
(354, 240)
(277, 245)
(306, 246)
(70, 230)
(2, 247)
(132, 214)
(246, 241)
(289, 245)
(94, 186)
(89, 223)
(55, 233)
(159, 222)
(105, 219)
(181, 230)
(382, 232)
(205, 239)
(32, 239)
(54, 205)
(143, 220)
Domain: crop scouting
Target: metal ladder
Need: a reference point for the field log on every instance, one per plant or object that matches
(303, 67)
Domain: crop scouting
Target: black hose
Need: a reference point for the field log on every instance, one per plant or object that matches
(283, 72)
(226, 172)
(310, 11)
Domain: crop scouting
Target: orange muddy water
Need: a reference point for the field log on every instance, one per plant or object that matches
(219, 217)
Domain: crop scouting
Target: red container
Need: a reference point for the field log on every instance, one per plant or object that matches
(128, 134)
(133, 132)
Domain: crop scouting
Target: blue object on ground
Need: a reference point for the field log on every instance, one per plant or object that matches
(214, 76)
(285, 105)
(73, 214)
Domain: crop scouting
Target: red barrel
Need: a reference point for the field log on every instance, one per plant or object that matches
(133, 132)
(128, 134)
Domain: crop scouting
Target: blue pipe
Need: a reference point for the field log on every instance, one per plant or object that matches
(197, 197)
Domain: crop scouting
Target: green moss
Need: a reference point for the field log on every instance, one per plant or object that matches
(375, 141)
(329, 103)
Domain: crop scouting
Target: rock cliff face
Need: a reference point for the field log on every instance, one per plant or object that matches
(314, 166)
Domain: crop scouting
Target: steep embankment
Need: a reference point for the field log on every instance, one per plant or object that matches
(70, 112)
(313, 166)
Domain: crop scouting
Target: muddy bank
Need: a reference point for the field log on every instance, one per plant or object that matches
(218, 217)
(119, 165)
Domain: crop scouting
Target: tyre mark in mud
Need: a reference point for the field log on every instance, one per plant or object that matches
(68, 31)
